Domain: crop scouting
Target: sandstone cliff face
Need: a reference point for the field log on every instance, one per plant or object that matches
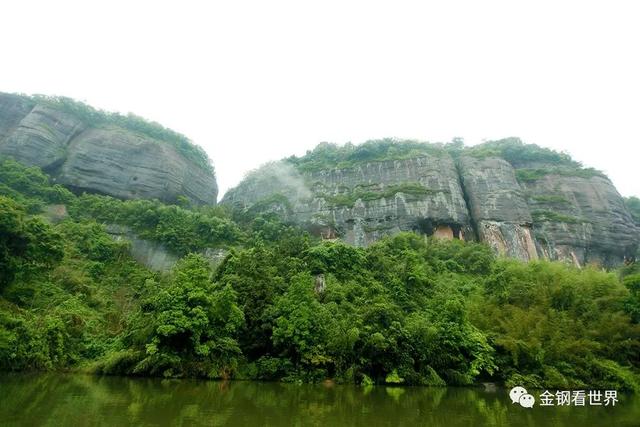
(13, 109)
(103, 159)
(364, 203)
(582, 219)
(559, 215)
(498, 206)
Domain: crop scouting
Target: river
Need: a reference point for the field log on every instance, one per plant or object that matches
(83, 400)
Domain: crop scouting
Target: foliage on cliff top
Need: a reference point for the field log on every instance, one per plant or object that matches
(516, 152)
(545, 161)
(330, 156)
(96, 117)
(531, 161)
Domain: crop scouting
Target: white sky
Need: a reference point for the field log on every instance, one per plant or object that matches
(253, 81)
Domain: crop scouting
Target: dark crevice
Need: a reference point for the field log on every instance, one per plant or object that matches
(465, 196)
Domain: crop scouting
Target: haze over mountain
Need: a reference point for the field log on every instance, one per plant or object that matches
(253, 81)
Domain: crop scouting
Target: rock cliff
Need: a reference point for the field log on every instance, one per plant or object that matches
(524, 201)
(88, 150)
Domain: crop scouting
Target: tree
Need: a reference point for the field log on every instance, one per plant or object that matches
(27, 244)
(194, 325)
(300, 332)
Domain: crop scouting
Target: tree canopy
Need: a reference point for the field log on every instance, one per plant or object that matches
(283, 305)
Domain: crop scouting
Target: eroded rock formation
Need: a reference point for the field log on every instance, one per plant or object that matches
(567, 213)
(102, 158)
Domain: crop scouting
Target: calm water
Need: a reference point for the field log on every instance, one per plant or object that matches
(78, 400)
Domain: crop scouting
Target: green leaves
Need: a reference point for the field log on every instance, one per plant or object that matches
(404, 310)
(301, 326)
(194, 325)
(180, 229)
(29, 186)
(27, 244)
(551, 321)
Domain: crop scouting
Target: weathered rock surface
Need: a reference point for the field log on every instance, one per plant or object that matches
(41, 138)
(582, 219)
(498, 207)
(366, 202)
(13, 109)
(560, 216)
(106, 159)
(126, 165)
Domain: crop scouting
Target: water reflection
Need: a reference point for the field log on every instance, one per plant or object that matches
(79, 400)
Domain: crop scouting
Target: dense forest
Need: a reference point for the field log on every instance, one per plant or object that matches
(283, 305)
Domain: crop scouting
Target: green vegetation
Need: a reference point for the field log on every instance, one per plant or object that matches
(406, 310)
(27, 244)
(274, 201)
(551, 199)
(181, 229)
(367, 193)
(185, 328)
(94, 117)
(530, 175)
(516, 152)
(531, 161)
(67, 291)
(329, 156)
(29, 186)
(551, 216)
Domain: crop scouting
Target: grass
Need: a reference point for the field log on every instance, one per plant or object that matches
(552, 199)
(412, 189)
(332, 156)
(534, 174)
(551, 216)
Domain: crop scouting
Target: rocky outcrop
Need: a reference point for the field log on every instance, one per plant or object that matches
(41, 138)
(100, 158)
(126, 165)
(555, 213)
(582, 219)
(363, 203)
(13, 109)
(498, 207)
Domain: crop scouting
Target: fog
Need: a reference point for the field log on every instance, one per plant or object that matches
(257, 81)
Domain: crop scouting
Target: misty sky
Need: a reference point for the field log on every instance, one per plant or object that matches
(260, 80)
